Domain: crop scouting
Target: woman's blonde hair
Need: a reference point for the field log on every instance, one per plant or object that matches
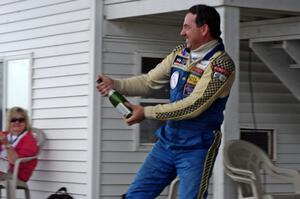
(12, 111)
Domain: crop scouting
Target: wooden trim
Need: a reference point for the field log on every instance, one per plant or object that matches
(271, 29)
(280, 5)
(94, 107)
(124, 9)
(137, 8)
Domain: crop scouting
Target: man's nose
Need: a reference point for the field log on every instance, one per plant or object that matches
(182, 33)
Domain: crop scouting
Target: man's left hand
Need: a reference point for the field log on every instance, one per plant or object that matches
(137, 114)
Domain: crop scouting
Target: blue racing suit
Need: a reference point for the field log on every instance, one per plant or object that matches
(188, 143)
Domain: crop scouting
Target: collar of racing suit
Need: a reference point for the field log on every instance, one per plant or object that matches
(200, 52)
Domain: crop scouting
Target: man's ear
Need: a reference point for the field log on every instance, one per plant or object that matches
(205, 30)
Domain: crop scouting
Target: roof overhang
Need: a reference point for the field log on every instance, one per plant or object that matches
(148, 7)
(125, 9)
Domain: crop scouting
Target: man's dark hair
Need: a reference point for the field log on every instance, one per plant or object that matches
(207, 15)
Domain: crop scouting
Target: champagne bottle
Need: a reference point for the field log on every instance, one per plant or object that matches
(118, 101)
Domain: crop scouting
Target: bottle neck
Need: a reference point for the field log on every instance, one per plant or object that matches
(111, 92)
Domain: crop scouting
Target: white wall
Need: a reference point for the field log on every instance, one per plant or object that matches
(57, 33)
(122, 42)
(274, 107)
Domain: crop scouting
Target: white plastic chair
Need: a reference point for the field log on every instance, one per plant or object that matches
(173, 189)
(14, 183)
(245, 163)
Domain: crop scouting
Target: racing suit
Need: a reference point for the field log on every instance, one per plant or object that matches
(188, 143)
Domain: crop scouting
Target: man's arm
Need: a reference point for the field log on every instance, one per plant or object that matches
(145, 85)
(215, 83)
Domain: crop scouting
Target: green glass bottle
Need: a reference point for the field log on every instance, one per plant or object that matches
(118, 101)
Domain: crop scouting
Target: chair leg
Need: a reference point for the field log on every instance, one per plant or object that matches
(11, 190)
(27, 193)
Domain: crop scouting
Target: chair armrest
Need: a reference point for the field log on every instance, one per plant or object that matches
(246, 173)
(17, 165)
(288, 175)
(239, 177)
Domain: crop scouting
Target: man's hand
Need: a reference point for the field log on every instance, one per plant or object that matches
(137, 114)
(104, 84)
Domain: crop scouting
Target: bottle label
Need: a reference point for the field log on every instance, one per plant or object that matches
(121, 108)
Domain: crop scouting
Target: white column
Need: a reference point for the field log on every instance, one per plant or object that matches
(223, 187)
(94, 133)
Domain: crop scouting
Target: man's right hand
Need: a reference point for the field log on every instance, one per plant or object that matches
(104, 84)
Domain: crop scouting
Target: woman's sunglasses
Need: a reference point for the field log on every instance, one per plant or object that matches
(20, 120)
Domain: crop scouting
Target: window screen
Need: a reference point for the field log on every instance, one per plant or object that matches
(148, 127)
(264, 138)
(15, 78)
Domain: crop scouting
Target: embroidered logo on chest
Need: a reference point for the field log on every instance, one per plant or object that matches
(180, 61)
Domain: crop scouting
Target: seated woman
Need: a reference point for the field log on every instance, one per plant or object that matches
(17, 142)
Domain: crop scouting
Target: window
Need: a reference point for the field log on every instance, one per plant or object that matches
(264, 138)
(16, 84)
(147, 128)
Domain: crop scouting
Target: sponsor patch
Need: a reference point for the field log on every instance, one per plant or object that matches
(197, 71)
(222, 71)
(188, 89)
(184, 52)
(220, 76)
(180, 61)
(193, 79)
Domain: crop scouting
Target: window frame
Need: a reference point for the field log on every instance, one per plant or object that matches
(138, 60)
(272, 140)
(5, 61)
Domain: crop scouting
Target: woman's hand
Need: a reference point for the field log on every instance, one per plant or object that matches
(3, 138)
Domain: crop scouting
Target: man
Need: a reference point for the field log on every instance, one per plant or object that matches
(200, 75)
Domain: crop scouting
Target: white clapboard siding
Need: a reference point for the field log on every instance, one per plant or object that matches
(71, 177)
(45, 42)
(79, 122)
(57, 34)
(274, 107)
(59, 102)
(62, 60)
(53, 9)
(64, 91)
(64, 70)
(119, 168)
(25, 5)
(78, 190)
(70, 112)
(70, 133)
(107, 2)
(40, 32)
(64, 155)
(62, 166)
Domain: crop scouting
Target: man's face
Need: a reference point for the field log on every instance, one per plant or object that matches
(193, 35)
